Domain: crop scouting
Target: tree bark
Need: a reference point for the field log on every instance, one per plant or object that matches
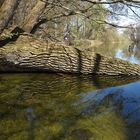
(7, 12)
(32, 19)
(29, 54)
(1, 2)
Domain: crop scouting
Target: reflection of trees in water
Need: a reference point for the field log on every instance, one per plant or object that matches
(132, 53)
(53, 99)
(110, 49)
(137, 51)
(126, 52)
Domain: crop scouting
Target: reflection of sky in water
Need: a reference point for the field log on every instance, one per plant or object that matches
(120, 54)
(127, 95)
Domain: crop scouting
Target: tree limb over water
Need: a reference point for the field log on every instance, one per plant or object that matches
(30, 54)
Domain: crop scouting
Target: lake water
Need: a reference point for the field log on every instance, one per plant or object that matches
(126, 52)
(65, 107)
(70, 107)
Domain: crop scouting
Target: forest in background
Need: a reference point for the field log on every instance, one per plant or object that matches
(77, 22)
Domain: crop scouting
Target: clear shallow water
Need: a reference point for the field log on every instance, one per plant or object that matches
(65, 107)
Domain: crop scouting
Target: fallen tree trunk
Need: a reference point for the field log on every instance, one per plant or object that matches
(29, 54)
(6, 12)
(1, 2)
(32, 19)
(8, 7)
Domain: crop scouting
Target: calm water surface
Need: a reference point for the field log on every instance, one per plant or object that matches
(126, 52)
(65, 107)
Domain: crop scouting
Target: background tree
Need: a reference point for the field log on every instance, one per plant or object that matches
(54, 19)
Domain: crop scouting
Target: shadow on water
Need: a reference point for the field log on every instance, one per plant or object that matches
(65, 107)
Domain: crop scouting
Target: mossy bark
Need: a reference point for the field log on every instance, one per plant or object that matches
(29, 54)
